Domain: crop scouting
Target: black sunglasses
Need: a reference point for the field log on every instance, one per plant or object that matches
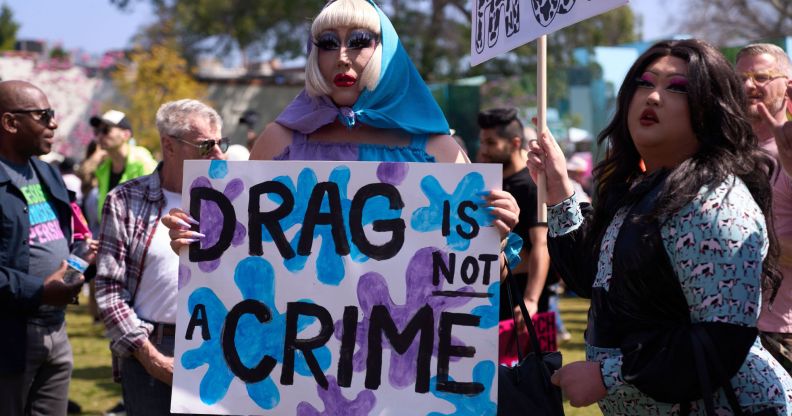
(102, 129)
(205, 146)
(45, 115)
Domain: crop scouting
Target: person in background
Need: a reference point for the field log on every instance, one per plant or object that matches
(766, 74)
(36, 222)
(124, 160)
(137, 273)
(675, 256)
(501, 141)
(250, 120)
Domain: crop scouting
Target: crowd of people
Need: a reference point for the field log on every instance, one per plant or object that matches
(683, 245)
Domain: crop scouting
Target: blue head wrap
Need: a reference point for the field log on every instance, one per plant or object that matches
(401, 99)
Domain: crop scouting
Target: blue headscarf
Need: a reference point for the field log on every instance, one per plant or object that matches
(401, 99)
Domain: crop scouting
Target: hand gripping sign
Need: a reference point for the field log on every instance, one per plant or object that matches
(338, 287)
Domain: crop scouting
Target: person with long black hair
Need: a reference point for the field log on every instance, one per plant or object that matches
(676, 251)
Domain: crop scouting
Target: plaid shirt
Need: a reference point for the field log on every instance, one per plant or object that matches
(129, 218)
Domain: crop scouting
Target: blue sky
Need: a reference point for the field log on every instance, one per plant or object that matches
(97, 25)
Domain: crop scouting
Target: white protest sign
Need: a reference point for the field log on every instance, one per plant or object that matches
(499, 26)
(326, 288)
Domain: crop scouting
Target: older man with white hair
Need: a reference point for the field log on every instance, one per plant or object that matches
(766, 72)
(136, 287)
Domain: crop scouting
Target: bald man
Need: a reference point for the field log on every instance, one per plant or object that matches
(35, 232)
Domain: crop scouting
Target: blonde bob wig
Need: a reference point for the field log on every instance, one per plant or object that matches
(357, 14)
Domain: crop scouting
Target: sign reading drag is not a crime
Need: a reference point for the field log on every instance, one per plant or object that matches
(338, 287)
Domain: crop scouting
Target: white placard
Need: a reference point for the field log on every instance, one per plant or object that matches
(389, 306)
(498, 26)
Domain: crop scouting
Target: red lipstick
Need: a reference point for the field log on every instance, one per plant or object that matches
(344, 80)
(649, 117)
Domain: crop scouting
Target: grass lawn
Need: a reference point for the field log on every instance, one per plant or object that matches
(93, 388)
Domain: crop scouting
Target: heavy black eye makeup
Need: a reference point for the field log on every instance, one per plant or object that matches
(328, 41)
(357, 39)
(360, 39)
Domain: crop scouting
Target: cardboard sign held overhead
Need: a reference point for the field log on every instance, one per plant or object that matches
(499, 26)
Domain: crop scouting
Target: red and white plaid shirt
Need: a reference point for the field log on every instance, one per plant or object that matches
(129, 218)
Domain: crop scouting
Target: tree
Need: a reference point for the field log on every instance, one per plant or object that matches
(436, 33)
(152, 77)
(726, 22)
(8, 28)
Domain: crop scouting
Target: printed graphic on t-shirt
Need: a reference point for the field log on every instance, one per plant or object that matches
(44, 225)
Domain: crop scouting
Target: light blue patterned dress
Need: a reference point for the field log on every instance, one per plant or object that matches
(715, 244)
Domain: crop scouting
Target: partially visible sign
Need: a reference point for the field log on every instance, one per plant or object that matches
(499, 26)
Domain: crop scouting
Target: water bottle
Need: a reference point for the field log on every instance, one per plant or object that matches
(76, 262)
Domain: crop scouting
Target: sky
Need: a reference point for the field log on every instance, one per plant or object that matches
(96, 25)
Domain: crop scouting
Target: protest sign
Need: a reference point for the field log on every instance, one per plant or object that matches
(499, 26)
(338, 287)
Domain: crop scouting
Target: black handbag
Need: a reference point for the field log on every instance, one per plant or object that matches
(525, 389)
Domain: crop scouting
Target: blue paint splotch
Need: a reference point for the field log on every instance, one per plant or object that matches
(212, 219)
(336, 404)
(478, 405)
(373, 290)
(428, 219)
(218, 169)
(255, 279)
(489, 314)
(330, 268)
(392, 172)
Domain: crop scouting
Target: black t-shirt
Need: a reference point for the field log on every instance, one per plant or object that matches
(523, 189)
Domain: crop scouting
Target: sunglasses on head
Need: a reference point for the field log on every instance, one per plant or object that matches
(45, 115)
(205, 146)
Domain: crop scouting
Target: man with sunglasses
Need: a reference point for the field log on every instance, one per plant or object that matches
(124, 160)
(766, 72)
(137, 272)
(35, 234)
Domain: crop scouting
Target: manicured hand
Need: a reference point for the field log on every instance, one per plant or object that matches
(546, 157)
(179, 224)
(581, 382)
(502, 205)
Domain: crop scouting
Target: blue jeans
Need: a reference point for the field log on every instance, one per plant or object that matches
(43, 388)
(143, 394)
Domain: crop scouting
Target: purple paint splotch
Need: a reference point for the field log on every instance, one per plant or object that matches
(212, 219)
(336, 404)
(392, 172)
(184, 276)
(373, 290)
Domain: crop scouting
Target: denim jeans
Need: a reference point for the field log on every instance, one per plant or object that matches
(144, 395)
(43, 388)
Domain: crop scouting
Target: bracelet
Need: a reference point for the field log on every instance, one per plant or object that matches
(510, 247)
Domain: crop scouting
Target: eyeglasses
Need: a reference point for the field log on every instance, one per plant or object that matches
(205, 146)
(45, 115)
(760, 79)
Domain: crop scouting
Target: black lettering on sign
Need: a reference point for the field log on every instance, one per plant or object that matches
(381, 322)
(267, 363)
(445, 351)
(446, 226)
(314, 216)
(270, 219)
(197, 195)
(470, 270)
(198, 318)
(463, 215)
(395, 226)
(488, 259)
(439, 266)
(292, 343)
(347, 349)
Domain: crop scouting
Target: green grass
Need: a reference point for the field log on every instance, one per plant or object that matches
(93, 388)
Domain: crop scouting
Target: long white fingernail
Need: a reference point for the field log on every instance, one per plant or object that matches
(181, 222)
(192, 220)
